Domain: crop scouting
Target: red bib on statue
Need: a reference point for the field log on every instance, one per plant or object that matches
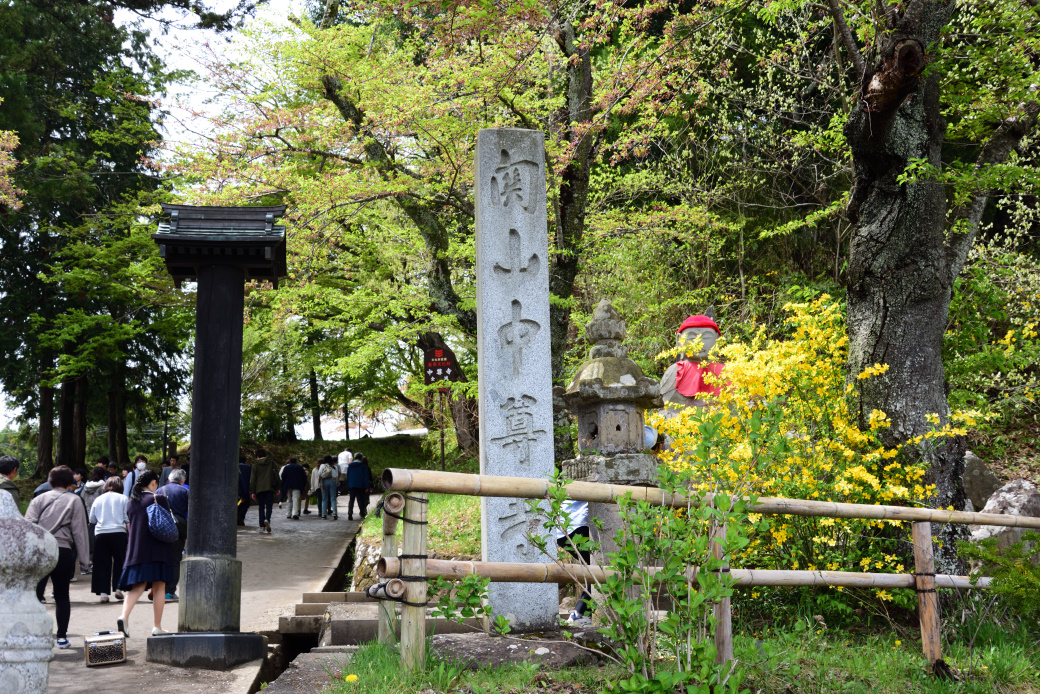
(689, 379)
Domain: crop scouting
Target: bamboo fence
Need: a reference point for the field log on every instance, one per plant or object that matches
(923, 580)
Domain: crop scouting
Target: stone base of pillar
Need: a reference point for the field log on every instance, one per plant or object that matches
(211, 595)
(207, 651)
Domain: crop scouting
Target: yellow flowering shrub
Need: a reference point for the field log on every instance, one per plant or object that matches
(785, 430)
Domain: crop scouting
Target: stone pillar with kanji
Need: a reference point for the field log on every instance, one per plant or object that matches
(515, 383)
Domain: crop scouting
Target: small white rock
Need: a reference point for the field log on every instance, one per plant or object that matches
(542, 651)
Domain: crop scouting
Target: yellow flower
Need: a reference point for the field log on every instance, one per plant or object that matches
(350, 679)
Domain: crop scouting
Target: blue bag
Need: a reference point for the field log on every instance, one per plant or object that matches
(161, 524)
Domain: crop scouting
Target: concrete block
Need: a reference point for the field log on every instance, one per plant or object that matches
(207, 651)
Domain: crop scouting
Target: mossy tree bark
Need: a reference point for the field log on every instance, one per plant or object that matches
(905, 254)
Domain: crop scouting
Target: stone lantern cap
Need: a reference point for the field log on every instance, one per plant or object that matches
(246, 237)
(608, 375)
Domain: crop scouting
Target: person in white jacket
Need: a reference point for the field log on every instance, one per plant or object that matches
(108, 513)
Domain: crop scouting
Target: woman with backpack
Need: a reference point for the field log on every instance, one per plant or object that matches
(148, 560)
(328, 475)
(60, 512)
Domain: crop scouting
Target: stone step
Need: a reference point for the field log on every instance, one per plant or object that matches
(300, 626)
(337, 596)
(347, 625)
(310, 609)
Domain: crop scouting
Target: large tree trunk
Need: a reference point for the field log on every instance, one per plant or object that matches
(66, 415)
(122, 448)
(113, 421)
(79, 424)
(315, 406)
(900, 279)
(573, 194)
(45, 436)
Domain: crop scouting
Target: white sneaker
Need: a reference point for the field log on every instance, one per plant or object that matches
(156, 631)
(104, 597)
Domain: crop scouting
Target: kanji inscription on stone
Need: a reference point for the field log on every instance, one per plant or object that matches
(514, 374)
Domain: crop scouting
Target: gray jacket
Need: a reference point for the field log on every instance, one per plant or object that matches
(61, 513)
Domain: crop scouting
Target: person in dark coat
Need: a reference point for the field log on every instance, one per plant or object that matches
(147, 560)
(263, 484)
(243, 489)
(177, 493)
(359, 485)
(294, 483)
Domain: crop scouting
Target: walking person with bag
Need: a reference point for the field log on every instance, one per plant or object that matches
(177, 494)
(149, 552)
(60, 512)
(328, 474)
(108, 514)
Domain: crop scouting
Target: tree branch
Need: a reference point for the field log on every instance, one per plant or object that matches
(444, 298)
(848, 39)
(995, 151)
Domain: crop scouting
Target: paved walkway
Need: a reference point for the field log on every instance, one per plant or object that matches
(297, 557)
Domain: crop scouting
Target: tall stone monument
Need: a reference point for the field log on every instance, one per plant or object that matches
(27, 554)
(515, 383)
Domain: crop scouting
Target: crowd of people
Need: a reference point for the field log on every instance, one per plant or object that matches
(100, 520)
(294, 485)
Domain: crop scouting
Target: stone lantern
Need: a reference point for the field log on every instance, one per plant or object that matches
(608, 395)
(27, 554)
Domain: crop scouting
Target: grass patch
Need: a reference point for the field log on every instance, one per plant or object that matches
(810, 661)
(798, 660)
(377, 669)
(454, 525)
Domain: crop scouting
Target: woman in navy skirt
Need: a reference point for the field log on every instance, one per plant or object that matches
(147, 560)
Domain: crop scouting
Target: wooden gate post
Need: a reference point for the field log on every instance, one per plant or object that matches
(927, 600)
(723, 613)
(393, 504)
(413, 568)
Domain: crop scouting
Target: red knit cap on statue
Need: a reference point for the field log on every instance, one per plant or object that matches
(698, 322)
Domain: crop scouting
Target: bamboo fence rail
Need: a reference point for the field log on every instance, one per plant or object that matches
(396, 479)
(517, 572)
(924, 580)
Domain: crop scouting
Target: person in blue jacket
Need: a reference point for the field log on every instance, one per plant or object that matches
(359, 485)
(294, 484)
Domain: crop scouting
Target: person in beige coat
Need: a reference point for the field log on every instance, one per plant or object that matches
(60, 512)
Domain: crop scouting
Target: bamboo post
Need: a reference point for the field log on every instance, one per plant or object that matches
(413, 566)
(927, 600)
(723, 613)
(393, 504)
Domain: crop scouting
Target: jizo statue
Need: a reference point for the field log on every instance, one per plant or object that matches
(684, 381)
